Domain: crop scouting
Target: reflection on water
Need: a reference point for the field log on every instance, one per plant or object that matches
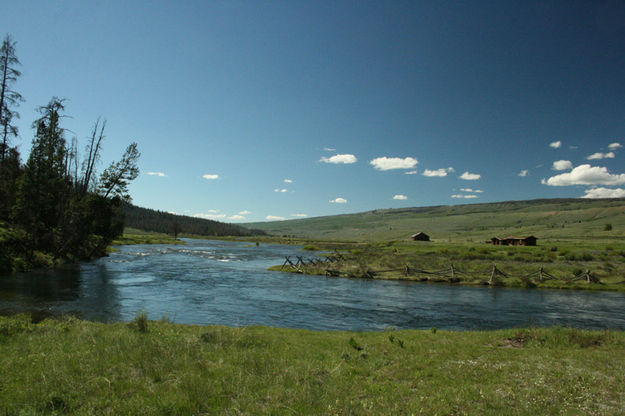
(215, 282)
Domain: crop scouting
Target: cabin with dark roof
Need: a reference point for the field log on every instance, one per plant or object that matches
(421, 236)
(514, 241)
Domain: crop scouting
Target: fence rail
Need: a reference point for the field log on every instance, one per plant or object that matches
(452, 274)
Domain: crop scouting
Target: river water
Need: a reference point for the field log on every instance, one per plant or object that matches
(227, 283)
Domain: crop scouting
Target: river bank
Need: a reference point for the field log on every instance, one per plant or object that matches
(79, 367)
(571, 264)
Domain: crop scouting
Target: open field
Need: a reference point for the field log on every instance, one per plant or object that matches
(555, 266)
(146, 367)
(551, 221)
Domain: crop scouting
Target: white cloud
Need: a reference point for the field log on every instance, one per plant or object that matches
(245, 212)
(213, 211)
(274, 218)
(586, 175)
(236, 217)
(388, 163)
(524, 173)
(411, 172)
(329, 149)
(614, 146)
(479, 191)
(562, 165)
(555, 145)
(604, 193)
(288, 181)
(599, 155)
(159, 174)
(465, 196)
(210, 176)
(442, 172)
(336, 159)
(338, 201)
(280, 190)
(299, 215)
(210, 216)
(470, 176)
(400, 197)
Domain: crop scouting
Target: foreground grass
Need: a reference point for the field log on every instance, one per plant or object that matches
(78, 367)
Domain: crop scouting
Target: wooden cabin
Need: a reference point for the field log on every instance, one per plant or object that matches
(420, 236)
(514, 241)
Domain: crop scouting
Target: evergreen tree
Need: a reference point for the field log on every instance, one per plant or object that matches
(43, 192)
(8, 97)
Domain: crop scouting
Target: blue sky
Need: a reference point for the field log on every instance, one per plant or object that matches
(248, 111)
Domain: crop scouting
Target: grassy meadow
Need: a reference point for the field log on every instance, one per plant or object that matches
(574, 236)
(157, 367)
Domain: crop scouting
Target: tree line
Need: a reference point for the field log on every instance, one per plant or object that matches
(55, 207)
(164, 222)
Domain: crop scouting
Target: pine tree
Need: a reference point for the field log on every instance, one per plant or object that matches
(44, 187)
(8, 97)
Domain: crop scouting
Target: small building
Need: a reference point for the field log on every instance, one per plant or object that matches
(421, 236)
(514, 241)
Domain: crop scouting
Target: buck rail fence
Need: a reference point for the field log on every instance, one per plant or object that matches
(492, 276)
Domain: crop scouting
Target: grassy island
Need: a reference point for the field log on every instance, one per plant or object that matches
(146, 367)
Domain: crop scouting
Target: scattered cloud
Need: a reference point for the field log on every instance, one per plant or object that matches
(614, 146)
(524, 173)
(604, 193)
(562, 165)
(336, 159)
(299, 215)
(213, 211)
(274, 218)
(388, 163)
(329, 149)
(400, 197)
(464, 196)
(470, 176)
(442, 172)
(245, 212)
(210, 176)
(586, 175)
(411, 172)
(479, 191)
(210, 216)
(288, 181)
(573, 147)
(338, 201)
(280, 190)
(159, 174)
(599, 155)
(236, 217)
(556, 145)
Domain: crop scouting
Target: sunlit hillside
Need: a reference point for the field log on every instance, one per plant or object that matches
(552, 219)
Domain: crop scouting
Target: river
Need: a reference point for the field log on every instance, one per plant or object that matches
(227, 283)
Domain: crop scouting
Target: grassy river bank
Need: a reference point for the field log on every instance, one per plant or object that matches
(148, 367)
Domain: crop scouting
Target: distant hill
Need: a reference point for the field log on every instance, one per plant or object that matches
(164, 222)
(544, 218)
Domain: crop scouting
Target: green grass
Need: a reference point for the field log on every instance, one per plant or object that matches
(78, 367)
(135, 236)
(473, 263)
(549, 220)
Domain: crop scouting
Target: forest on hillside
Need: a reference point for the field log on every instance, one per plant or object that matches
(164, 222)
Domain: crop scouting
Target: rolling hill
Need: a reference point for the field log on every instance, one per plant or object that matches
(545, 218)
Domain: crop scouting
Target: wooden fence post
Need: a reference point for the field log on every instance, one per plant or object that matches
(492, 275)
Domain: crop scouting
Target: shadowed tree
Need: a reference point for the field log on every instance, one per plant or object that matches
(44, 186)
(8, 97)
(115, 179)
